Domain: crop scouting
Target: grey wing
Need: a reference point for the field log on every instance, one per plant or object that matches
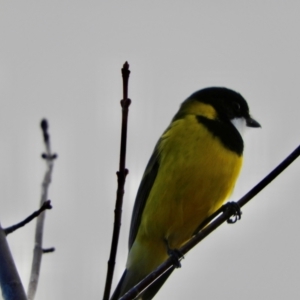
(142, 195)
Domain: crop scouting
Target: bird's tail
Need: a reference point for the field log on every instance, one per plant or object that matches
(148, 294)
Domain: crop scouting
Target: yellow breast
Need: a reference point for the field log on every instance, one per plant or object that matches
(195, 177)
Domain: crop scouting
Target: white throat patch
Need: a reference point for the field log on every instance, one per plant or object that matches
(240, 125)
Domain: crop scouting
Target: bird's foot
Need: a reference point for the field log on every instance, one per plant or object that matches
(175, 255)
(234, 209)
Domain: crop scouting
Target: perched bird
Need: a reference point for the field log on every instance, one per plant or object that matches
(192, 171)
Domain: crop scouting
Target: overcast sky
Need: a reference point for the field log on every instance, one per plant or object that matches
(61, 60)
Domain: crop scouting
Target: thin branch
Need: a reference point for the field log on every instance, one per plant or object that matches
(45, 205)
(226, 214)
(38, 249)
(121, 174)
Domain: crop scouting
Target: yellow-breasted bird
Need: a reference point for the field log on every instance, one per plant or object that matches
(192, 171)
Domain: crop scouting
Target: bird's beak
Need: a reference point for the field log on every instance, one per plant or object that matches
(252, 123)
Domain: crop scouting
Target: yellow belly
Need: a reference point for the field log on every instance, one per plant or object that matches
(196, 175)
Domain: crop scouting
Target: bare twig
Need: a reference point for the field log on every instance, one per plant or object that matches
(125, 102)
(225, 215)
(45, 205)
(38, 248)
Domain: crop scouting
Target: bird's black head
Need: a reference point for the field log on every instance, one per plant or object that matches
(222, 111)
(227, 103)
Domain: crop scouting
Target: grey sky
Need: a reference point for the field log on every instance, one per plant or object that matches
(61, 60)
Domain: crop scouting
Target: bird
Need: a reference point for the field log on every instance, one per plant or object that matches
(191, 173)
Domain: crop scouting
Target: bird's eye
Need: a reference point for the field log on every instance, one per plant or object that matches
(236, 106)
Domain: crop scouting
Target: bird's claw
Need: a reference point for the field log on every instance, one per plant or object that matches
(176, 256)
(235, 211)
